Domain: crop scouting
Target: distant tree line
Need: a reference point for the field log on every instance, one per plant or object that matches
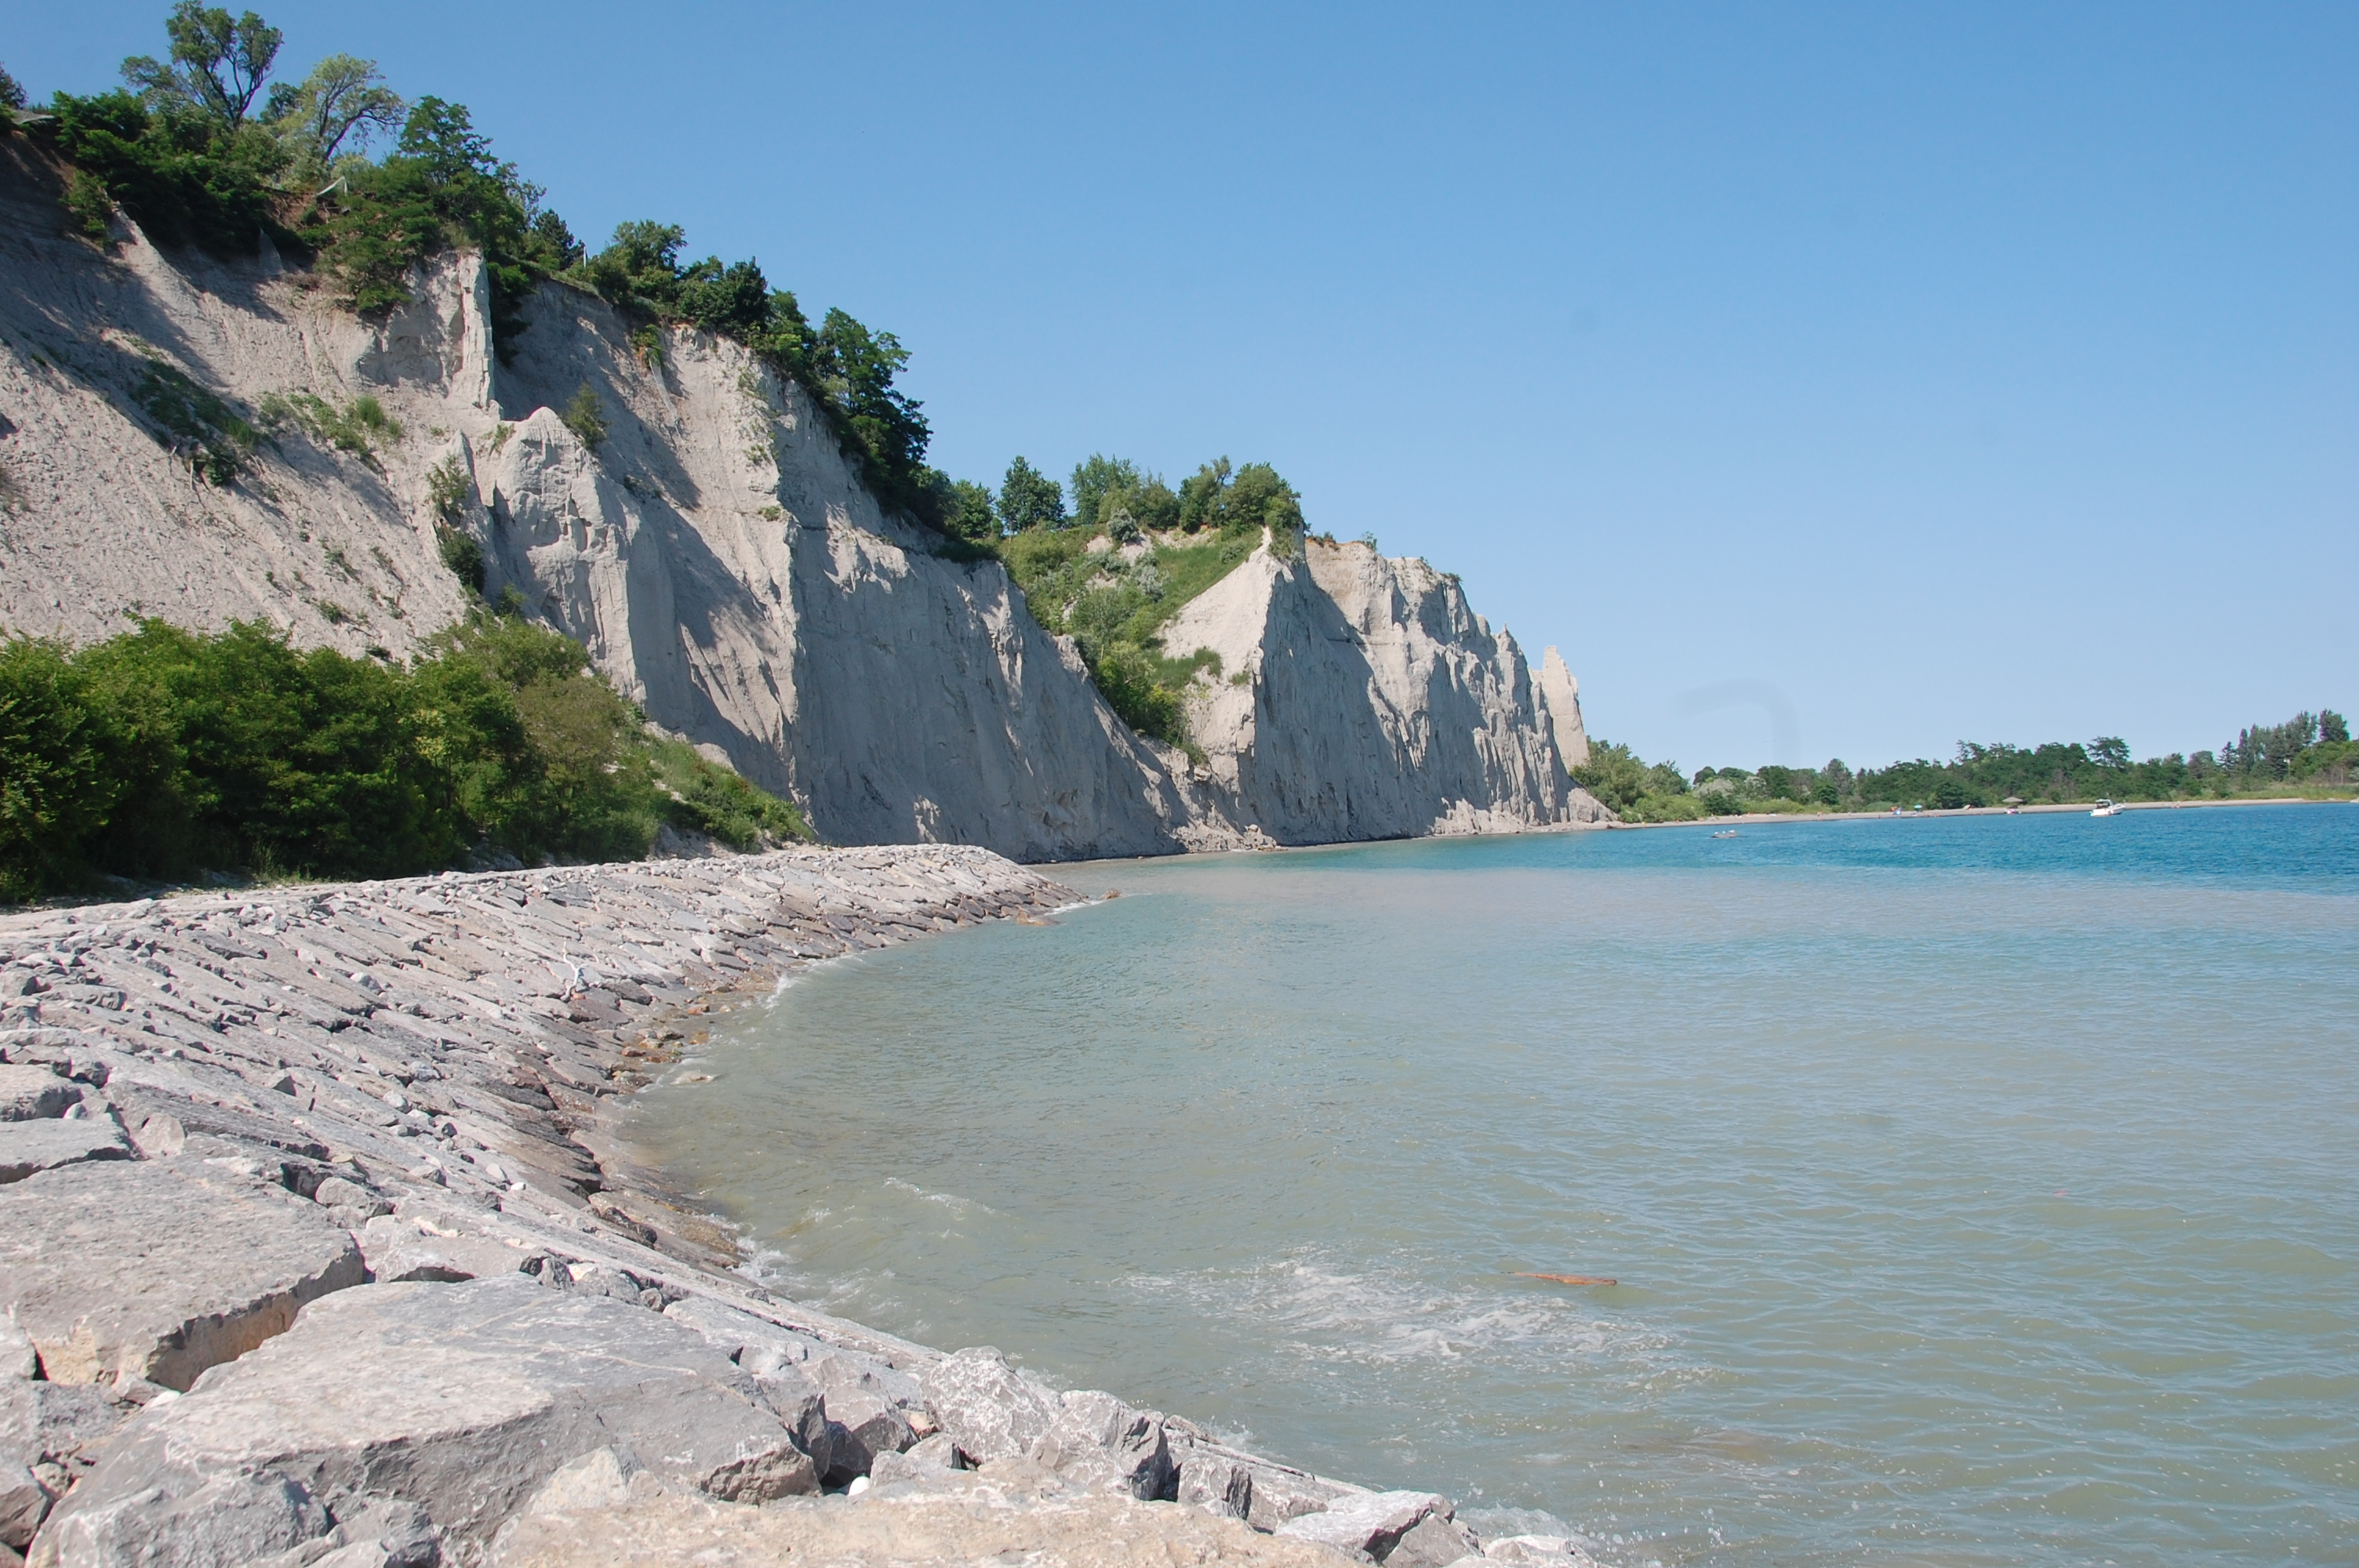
(2305, 749)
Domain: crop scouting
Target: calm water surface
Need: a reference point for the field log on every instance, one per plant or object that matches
(1981, 1191)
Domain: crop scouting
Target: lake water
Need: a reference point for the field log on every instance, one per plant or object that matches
(1979, 1190)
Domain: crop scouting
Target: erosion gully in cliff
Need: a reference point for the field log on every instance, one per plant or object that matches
(316, 1246)
(717, 555)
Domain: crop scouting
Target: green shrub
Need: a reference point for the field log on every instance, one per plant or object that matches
(461, 554)
(90, 207)
(60, 746)
(194, 423)
(449, 490)
(1666, 808)
(162, 753)
(703, 798)
(1248, 498)
(585, 416)
(357, 427)
(186, 177)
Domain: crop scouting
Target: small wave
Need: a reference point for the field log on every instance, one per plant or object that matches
(950, 1201)
(1339, 1314)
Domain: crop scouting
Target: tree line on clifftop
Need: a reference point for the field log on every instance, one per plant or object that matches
(203, 149)
(2306, 753)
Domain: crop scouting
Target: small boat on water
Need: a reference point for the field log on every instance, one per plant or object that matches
(2106, 808)
(1729, 833)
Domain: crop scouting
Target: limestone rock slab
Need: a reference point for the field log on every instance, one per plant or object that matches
(1387, 1526)
(27, 1147)
(990, 1411)
(160, 1269)
(34, 1092)
(954, 1518)
(462, 1398)
(400, 1248)
(1095, 1440)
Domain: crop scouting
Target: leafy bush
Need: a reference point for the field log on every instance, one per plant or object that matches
(462, 554)
(974, 513)
(585, 416)
(1614, 775)
(161, 752)
(448, 489)
(90, 207)
(186, 177)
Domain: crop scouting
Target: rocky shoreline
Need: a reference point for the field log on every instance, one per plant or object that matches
(317, 1247)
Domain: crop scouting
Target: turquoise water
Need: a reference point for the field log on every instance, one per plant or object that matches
(1979, 1190)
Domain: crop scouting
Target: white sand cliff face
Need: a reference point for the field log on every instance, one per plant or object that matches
(1561, 693)
(1361, 698)
(718, 557)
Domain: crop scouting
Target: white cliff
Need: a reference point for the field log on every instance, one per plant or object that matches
(716, 553)
(1360, 698)
(1559, 692)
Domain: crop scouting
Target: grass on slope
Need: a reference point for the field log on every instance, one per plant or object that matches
(1116, 609)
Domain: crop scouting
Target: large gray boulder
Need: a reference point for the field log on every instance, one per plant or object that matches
(460, 1399)
(27, 1147)
(1096, 1441)
(161, 1269)
(411, 1247)
(1216, 1484)
(34, 1092)
(990, 1410)
(848, 1408)
(975, 1519)
(1401, 1530)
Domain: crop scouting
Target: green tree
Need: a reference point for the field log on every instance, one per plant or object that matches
(60, 780)
(640, 268)
(1095, 480)
(343, 99)
(1251, 497)
(11, 95)
(975, 511)
(217, 65)
(1614, 775)
(1029, 498)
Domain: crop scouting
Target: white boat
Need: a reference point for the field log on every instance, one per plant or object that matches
(2106, 808)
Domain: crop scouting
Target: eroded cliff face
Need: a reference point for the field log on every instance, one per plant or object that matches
(716, 553)
(1362, 698)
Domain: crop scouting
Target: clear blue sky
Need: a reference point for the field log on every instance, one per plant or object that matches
(1929, 371)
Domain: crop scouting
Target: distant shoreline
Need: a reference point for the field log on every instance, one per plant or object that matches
(2067, 808)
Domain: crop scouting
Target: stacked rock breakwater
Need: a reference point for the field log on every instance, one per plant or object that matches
(317, 1247)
